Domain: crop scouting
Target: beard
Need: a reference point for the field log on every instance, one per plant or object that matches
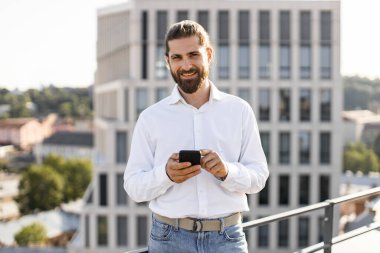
(190, 85)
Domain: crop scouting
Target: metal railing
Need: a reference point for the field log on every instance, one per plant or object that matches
(328, 206)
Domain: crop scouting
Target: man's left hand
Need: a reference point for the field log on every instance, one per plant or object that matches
(213, 163)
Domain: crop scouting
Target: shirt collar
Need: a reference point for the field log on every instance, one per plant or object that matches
(176, 96)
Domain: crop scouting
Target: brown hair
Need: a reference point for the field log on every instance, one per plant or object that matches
(184, 29)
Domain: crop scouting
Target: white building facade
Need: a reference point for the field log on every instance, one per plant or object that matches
(283, 57)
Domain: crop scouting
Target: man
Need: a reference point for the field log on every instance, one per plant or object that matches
(196, 208)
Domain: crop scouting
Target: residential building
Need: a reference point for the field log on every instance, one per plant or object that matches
(361, 126)
(283, 57)
(8, 191)
(25, 132)
(66, 144)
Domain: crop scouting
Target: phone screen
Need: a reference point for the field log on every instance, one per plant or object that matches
(192, 156)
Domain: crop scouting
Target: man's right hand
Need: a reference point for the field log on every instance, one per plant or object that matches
(180, 172)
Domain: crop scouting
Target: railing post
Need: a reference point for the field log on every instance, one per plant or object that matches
(328, 227)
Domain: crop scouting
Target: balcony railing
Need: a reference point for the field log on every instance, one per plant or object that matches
(328, 206)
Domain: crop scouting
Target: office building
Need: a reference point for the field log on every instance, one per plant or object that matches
(283, 57)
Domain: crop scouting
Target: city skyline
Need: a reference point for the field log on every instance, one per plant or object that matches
(40, 46)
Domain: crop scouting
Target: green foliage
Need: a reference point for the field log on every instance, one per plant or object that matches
(32, 234)
(77, 175)
(57, 180)
(41, 188)
(376, 146)
(67, 102)
(358, 157)
(361, 93)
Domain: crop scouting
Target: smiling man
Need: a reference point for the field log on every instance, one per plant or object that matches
(196, 207)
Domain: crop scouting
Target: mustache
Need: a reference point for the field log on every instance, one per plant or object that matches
(192, 70)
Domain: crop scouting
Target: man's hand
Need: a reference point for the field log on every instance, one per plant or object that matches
(213, 163)
(180, 172)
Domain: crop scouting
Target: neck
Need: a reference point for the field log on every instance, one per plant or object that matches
(198, 98)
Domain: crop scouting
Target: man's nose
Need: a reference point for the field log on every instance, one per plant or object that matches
(186, 64)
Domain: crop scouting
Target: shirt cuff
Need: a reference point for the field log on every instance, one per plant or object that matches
(161, 176)
(233, 172)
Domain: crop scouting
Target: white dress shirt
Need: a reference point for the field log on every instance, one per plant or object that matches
(225, 124)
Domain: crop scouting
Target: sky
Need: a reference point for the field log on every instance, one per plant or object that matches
(46, 42)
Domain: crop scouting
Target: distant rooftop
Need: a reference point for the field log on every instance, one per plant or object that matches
(15, 122)
(71, 139)
(361, 116)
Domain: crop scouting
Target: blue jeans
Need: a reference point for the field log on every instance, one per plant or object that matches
(165, 238)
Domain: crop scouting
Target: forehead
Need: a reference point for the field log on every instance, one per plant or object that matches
(184, 45)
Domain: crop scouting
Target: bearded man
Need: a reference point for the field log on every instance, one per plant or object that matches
(196, 207)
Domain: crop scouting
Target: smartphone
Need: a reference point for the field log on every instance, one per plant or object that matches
(192, 156)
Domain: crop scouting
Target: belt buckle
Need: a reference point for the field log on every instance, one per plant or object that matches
(197, 226)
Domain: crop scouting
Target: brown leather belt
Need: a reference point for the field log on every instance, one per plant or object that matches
(201, 225)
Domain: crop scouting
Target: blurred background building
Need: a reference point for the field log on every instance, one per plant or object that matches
(283, 57)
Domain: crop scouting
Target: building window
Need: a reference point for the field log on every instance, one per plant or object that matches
(304, 190)
(244, 61)
(284, 105)
(321, 227)
(305, 60)
(284, 190)
(245, 93)
(284, 156)
(325, 62)
(263, 236)
(265, 143)
(161, 93)
(141, 100)
(305, 105)
(223, 45)
(102, 230)
(87, 230)
(121, 196)
(144, 45)
(160, 65)
(203, 18)
(121, 147)
(182, 15)
(244, 40)
(326, 41)
(264, 195)
(325, 148)
(303, 232)
(121, 230)
(283, 233)
(325, 107)
(304, 147)
(126, 105)
(142, 230)
(264, 45)
(305, 46)
(285, 45)
(223, 61)
(264, 104)
(264, 62)
(324, 187)
(103, 200)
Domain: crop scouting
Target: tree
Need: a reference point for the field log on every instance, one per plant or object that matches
(41, 187)
(34, 233)
(376, 146)
(77, 176)
(358, 157)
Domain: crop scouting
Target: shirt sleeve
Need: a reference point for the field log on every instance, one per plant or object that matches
(143, 181)
(250, 173)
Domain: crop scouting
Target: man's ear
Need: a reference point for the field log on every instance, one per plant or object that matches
(210, 54)
(167, 62)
